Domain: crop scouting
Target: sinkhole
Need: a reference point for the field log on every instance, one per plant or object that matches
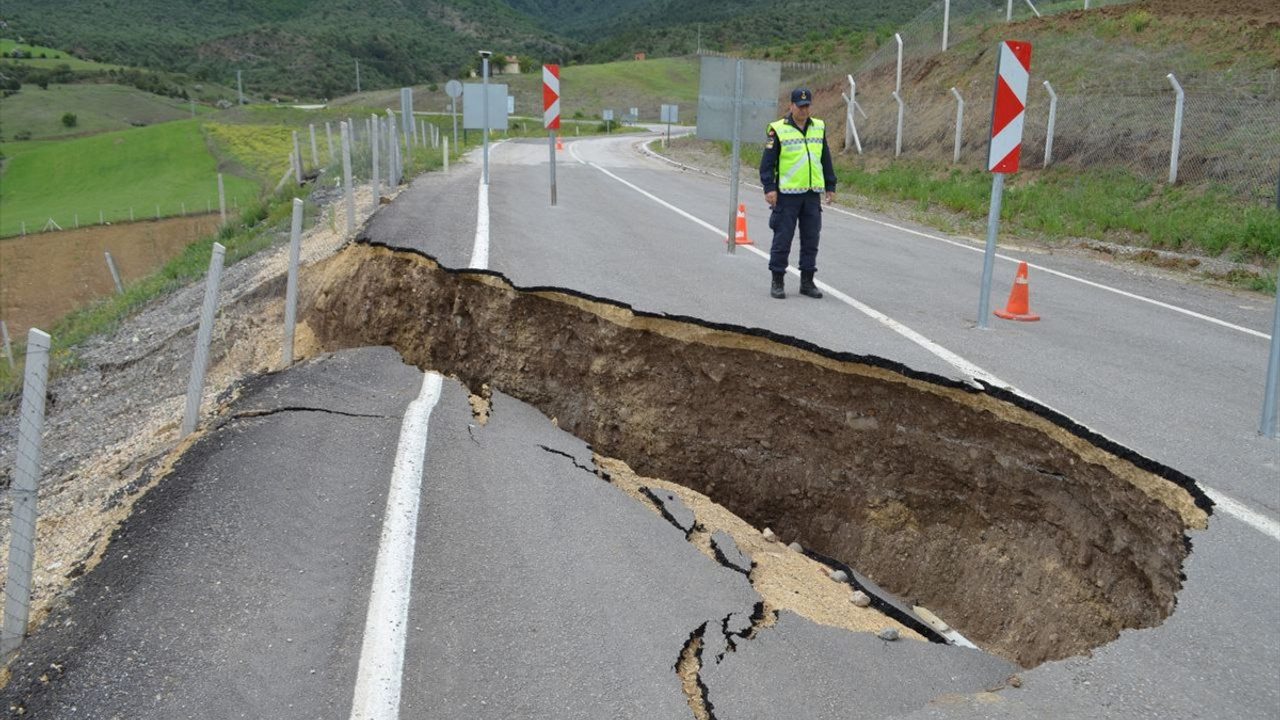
(1034, 537)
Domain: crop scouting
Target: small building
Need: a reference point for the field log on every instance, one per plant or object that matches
(511, 66)
(640, 56)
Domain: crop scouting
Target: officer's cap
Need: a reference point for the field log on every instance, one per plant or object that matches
(801, 97)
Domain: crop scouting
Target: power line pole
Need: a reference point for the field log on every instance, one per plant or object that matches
(357, 76)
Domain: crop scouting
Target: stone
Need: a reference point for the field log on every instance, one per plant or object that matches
(796, 546)
(839, 576)
(889, 634)
(859, 598)
(768, 535)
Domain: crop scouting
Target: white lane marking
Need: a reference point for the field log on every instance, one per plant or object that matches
(972, 248)
(1224, 502)
(1243, 513)
(377, 691)
(480, 251)
(1059, 273)
(966, 368)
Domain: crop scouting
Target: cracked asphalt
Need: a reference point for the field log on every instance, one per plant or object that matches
(239, 586)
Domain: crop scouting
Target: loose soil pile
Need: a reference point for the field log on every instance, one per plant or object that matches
(1033, 537)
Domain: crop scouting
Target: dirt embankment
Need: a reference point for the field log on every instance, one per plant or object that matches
(1033, 538)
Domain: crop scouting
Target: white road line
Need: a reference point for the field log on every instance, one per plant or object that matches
(1065, 276)
(480, 251)
(966, 368)
(973, 248)
(377, 691)
(1225, 503)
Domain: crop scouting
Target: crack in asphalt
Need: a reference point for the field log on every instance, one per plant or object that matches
(572, 459)
(266, 413)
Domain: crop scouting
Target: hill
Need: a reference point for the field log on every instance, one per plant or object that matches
(309, 48)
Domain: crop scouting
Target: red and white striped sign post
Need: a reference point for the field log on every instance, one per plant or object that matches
(551, 115)
(1013, 74)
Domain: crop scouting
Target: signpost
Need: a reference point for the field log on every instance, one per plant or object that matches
(670, 114)
(484, 107)
(608, 118)
(551, 115)
(1013, 73)
(453, 89)
(735, 94)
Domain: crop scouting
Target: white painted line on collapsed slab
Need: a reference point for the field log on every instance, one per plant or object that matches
(377, 691)
(1224, 502)
(480, 250)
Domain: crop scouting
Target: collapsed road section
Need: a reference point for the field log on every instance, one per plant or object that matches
(1033, 536)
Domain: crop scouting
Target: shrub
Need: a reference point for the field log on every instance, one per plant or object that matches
(69, 120)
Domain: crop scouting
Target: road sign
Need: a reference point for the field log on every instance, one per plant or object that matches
(608, 115)
(473, 106)
(511, 105)
(1013, 72)
(453, 89)
(670, 114)
(551, 97)
(721, 100)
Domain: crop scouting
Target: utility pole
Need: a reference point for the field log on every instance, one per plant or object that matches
(357, 76)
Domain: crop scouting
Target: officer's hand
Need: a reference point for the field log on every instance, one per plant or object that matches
(831, 197)
(771, 198)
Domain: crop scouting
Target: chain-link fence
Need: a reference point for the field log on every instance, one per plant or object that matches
(1121, 118)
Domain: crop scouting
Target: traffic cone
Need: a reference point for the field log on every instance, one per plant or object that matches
(559, 143)
(740, 233)
(1019, 300)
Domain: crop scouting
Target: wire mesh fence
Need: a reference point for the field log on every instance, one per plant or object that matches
(1229, 135)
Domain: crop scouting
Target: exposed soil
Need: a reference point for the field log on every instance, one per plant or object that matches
(44, 276)
(1031, 536)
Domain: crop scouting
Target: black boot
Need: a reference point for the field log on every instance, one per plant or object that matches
(807, 287)
(777, 290)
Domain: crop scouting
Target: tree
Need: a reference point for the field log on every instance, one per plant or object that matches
(69, 120)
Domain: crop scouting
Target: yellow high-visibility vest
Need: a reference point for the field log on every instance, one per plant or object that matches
(800, 157)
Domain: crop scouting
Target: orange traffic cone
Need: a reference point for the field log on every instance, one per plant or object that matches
(1019, 300)
(740, 233)
(559, 143)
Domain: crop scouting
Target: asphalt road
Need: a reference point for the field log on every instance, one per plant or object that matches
(240, 588)
(1170, 368)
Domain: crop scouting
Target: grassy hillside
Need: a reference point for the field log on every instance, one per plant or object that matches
(13, 51)
(295, 48)
(38, 113)
(164, 165)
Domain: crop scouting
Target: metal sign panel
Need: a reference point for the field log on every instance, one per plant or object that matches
(551, 97)
(670, 114)
(511, 105)
(473, 106)
(453, 89)
(608, 115)
(1009, 112)
(761, 81)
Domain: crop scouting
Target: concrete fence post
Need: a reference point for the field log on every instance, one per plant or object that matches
(297, 159)
(115, 273)
(374, 142)
(24, 490)
(222, 200)
(959, 124)
(102, 218)
(291, 291)
(8, 347)
(1177, 129)
(1053, 118)
(346, 177)
(902, 111)
(195, 387)
(328, 131)
(445, 142)
(315, 153)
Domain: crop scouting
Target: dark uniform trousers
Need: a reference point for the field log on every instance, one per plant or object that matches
(806, 209)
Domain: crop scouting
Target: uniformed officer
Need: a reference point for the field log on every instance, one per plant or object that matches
(796, 171)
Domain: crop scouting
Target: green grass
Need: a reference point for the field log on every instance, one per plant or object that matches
(98, 108)
(164, 165)
(52, 59)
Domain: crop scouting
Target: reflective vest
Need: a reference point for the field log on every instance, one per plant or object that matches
(800, 157)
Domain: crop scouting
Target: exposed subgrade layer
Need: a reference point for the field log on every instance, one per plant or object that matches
(1035, 537)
